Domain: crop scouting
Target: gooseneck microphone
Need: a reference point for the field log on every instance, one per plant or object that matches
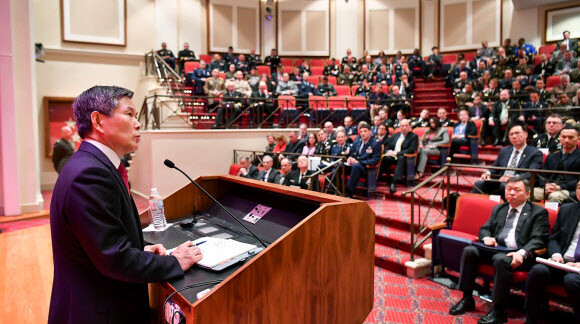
(171, 165)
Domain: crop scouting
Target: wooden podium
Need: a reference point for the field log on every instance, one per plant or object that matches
(320, 269)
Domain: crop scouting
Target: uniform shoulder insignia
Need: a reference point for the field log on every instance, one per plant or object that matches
(535, 135)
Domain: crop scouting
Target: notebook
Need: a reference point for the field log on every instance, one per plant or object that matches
(219, 254)
(557, 265)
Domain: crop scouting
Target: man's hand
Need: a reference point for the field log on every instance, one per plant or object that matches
(557, 258)
(504, 122)
(485, 176)
(491, 123)
(391, 153)
(351, 160)
(504, 178)
(158, 249)
(490, 241)
(521, 118)
(187, 254)
(573, 264)
(517, 259)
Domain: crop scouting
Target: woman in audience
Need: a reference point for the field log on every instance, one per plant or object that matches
(461, 132)
(430, 144)
(379, 59)
(231, 74)
(271, 143)
(310, 146)
(280, 144)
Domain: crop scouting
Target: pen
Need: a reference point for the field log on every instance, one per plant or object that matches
(200, 243)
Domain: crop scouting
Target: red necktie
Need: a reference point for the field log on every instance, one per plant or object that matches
(125, 176)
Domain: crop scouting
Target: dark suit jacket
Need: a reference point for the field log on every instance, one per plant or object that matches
(496, 110)
(252, 172)
(564, 228)
(573, 44)
(532, 230)
(554, 162)
(271, 176)
(293, 148)
(294, 176)
(484, 112)
(470, 128)
(100, 269)
(409, 146)
(370, 153)
(531, 158)
(61, 153)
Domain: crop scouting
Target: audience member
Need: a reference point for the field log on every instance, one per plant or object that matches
(480, 111)
(303, 132)
(254, 59)
(346, 77)
(500, 116)
(285, 168)
(296, 76)
(534, 111)
(462, 130)
(341, 148)
(375, 128)
(230, 104)
(199, 77)
(271, 143)
(332, 68)
(260, 104)
(500, 231)
(442, 117)
(565, 87)
(348, 54)
(405, 86)
(278, 75)
(268, 174)
(567, 64)
(422, 120)
(364, 89)
(63, 149)
(398, 102)
(272, 60)
(549, 140)
(575, 73)
(382, 135)
(364, 152)
(486, 51)
(557, 187)
(184, 56)
(248, 170)
(517, 155)
(349, 128)
(433, 62)
(217, 63)
(231, 72)
(167, 55)
(365, 75)
(293, 147)
(310, 145)
(543, 69)
(299, 177)
(214, 87)
(286, 87)
(529, 49)
(280, 144)
(430, 144)
(383, 76)
(242, 64)
(571, 44)
(326, 89)
(404, 142)
(465, 97)
(242, 86)
(329, 129)
(541, 88)
(229, 57)
(324, 145)
(377, 100)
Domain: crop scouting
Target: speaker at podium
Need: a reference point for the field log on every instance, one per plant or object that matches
(317, 265)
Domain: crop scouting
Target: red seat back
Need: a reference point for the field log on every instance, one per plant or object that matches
(286, 102)
(263, 69)
(317, 102)
(342, 90)
(189, 67)
(287, 62)
(472, 212)
(332, 80)
(336, 102)
(314, 79)
(469, 56)
(316, 62)
(288, 69)
(316, 70)
(234, 169)
(420, 131)
(552, 81)
(298, 62)
(547, 49)
(449, 58)
(356, 102)
(206, 58)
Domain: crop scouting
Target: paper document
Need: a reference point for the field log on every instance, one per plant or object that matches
(557, 265)
(218, 251)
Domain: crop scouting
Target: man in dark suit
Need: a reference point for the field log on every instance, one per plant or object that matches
(101, 264)
(433, 62)
(518, 155)
(534, 111)
(273, 60)
(502, 115)
(382, 136)
(268, 174)
(364, 152)
(571, 44)
(248, 170)
(285, 168)
(562, 248)
(298, 177)
(481, 112)
(519, 226)
(184, 56)
(461, 132)
(230, 101)
(557, 187)
(399, 144)
(294, 146)
(167, 55)
(261, 105)
(551, 138)
(63, 149)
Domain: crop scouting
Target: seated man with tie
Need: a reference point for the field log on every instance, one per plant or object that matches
(550, 139)
(500, 115)
(399, 144)
(230, 101)
(534, 111)
(479, 111)
(260, 104)
(268, 174)
(298, 178)
(364, 152)
(557, 187)
(516, 226)
(461, 132)
(285, 168)
(518, 155)
(562, 247)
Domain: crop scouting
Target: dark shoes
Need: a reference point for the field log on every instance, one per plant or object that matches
(466, 304)
(393, 188)
(493, 317)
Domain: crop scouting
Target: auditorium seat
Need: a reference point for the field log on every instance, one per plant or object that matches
(342, 90)
(552, 81)
(469, 56)
(206, 58)
(316, 62)
(287, 62)
(288, 69)
(319, 107)
(263, 69)
(547, 49)
(449, 59)
(317, 70)
(353, 89)
(337, 107)
(298, 62)
(332, 80)
(472, 151)
(357, 107)
(288, 111)
(234, 169)
(314, 79)
(189, 67)
(471, 212)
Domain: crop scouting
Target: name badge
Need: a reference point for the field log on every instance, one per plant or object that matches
(369, 150)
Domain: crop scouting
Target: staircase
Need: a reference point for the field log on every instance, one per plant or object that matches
(433, 95)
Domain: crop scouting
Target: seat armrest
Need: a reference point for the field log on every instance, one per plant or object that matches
(410, 155)
(434, 227)
(541, 251)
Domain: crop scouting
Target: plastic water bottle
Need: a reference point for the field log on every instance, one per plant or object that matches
(156, 209)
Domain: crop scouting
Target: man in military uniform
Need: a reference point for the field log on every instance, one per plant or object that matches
(461, 82)
(324, 145)
(332, 68)
(398, 101)
(377, 100)
(63, 149)
(551, 138)
(384, 77)
(242, 64)
(305, 90)
(349, 128)
(486, 51)
(364, 89)
(534, 111)
(326, 89)
(199, 76)
(433, 63)
(517, 93)
(365, 74)
(185, 55)
(273, 60)
(348, 54)
(442, 116)
(346, 78)
(229, 57)
(351, 62)
(167, 55)
(422, 120)
(254, 59)
(508, 79)
(214, 87)
(541, 88)
(217, 63)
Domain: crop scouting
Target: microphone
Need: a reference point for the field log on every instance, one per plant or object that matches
(171, 165)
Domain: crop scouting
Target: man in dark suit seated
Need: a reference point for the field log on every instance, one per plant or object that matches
(534, 111)
(479, 111)
(101, 263)
(261, 105)
(557, 187)
(461, 132)
(285, 168)
(518, 155)
(167, 55)
(501, 115)
(519, 226)
(382, 135)
(399, 144)
(298, 178)
(63, 149)
(231, 101)
(551, 138)
(248, 170)
(294, 147)
(562, 248)
(268, 174)
(571, 44)
(364, 152)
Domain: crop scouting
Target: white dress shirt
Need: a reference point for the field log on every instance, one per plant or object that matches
(569, 254)
(510, 240)
(113, 157)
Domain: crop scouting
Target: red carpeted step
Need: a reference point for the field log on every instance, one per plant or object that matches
(433, 101)
(397, 238)
(391, 259)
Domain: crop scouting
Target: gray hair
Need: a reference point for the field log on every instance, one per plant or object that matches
(103, 99)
